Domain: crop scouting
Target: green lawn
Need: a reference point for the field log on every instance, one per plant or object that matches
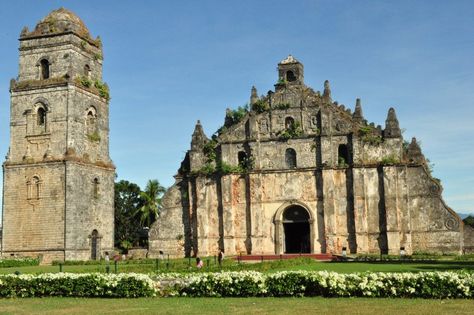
(182, 265)
(235, 306)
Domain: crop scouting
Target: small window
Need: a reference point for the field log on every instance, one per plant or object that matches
(290, 158)
(34, 188)
(41, 116)
(289, 123)
(242, 156)
(343, 155)
(96, 188)
(290, 76)
(44, 69)
(87, 71)
(91, 122)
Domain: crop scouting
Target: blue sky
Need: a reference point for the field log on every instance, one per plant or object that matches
(169, 63)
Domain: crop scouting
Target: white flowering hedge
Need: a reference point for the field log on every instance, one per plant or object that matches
(322, 283)
(76, 285)
(242, 284)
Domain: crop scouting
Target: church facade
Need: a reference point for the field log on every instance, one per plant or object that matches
(58, 177)
(299, 173)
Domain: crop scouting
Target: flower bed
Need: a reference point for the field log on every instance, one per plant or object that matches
(76, 285)
(322, 283)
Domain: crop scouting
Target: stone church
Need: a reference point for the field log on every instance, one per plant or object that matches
(299, 173)
(58, 177)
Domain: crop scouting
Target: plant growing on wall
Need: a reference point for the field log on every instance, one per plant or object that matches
(293, 131)
(94, 137)
(260, 106)
(234, 116)
(390, 159)
(282, 106)
(368, 135)
(96, 86)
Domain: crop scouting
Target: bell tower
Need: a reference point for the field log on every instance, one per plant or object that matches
(291, 71)
(58, 176)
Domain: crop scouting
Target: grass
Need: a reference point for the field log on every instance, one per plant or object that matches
(235, 306)
(185, 265)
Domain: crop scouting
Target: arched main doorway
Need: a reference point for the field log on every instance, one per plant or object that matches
(296, 229)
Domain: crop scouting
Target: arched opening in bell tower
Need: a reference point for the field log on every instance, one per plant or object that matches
(44, 63)
(290, 76)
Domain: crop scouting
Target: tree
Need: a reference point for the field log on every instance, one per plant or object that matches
(150, 210)
(469, 220)
(127, 223)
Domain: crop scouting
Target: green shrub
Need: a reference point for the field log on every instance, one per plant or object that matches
(209, 150)
(260, 106)
(96, 86)
(234, 116)
(282, 106)
(94, 137)
(368, 134)
(341, 162)
(388, 160)
(293, 131)
(19, 262)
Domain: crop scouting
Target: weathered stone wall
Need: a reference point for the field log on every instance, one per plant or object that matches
(88, 208)
(33, 222)
(468, 239)
(30, 142)
(168, 234)
(80, 135)
(67, 54)
(363, 190)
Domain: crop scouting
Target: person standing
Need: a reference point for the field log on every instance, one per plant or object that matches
(107, 262)
(199, 263)
(220, 257)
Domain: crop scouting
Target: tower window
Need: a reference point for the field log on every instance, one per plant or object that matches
(91, 119)
(95, 190)
(34, 189)
(289, 122)
(87, 71)
(41, 116)
(342, 155)
(290, 158)
(44, 69)
(290, 76)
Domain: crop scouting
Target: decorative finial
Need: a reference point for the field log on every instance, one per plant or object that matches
(327, 90)
(392, 128)
(414, 153)
(24, 31)
(358, 115)
(199, 137)
(253, 95)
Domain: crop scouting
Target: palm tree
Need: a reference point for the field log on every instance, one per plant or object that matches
(151, 202)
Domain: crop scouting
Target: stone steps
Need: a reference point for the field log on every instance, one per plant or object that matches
(321, 257)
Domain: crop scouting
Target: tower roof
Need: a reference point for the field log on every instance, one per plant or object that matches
(288, 60)
(59, 21)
